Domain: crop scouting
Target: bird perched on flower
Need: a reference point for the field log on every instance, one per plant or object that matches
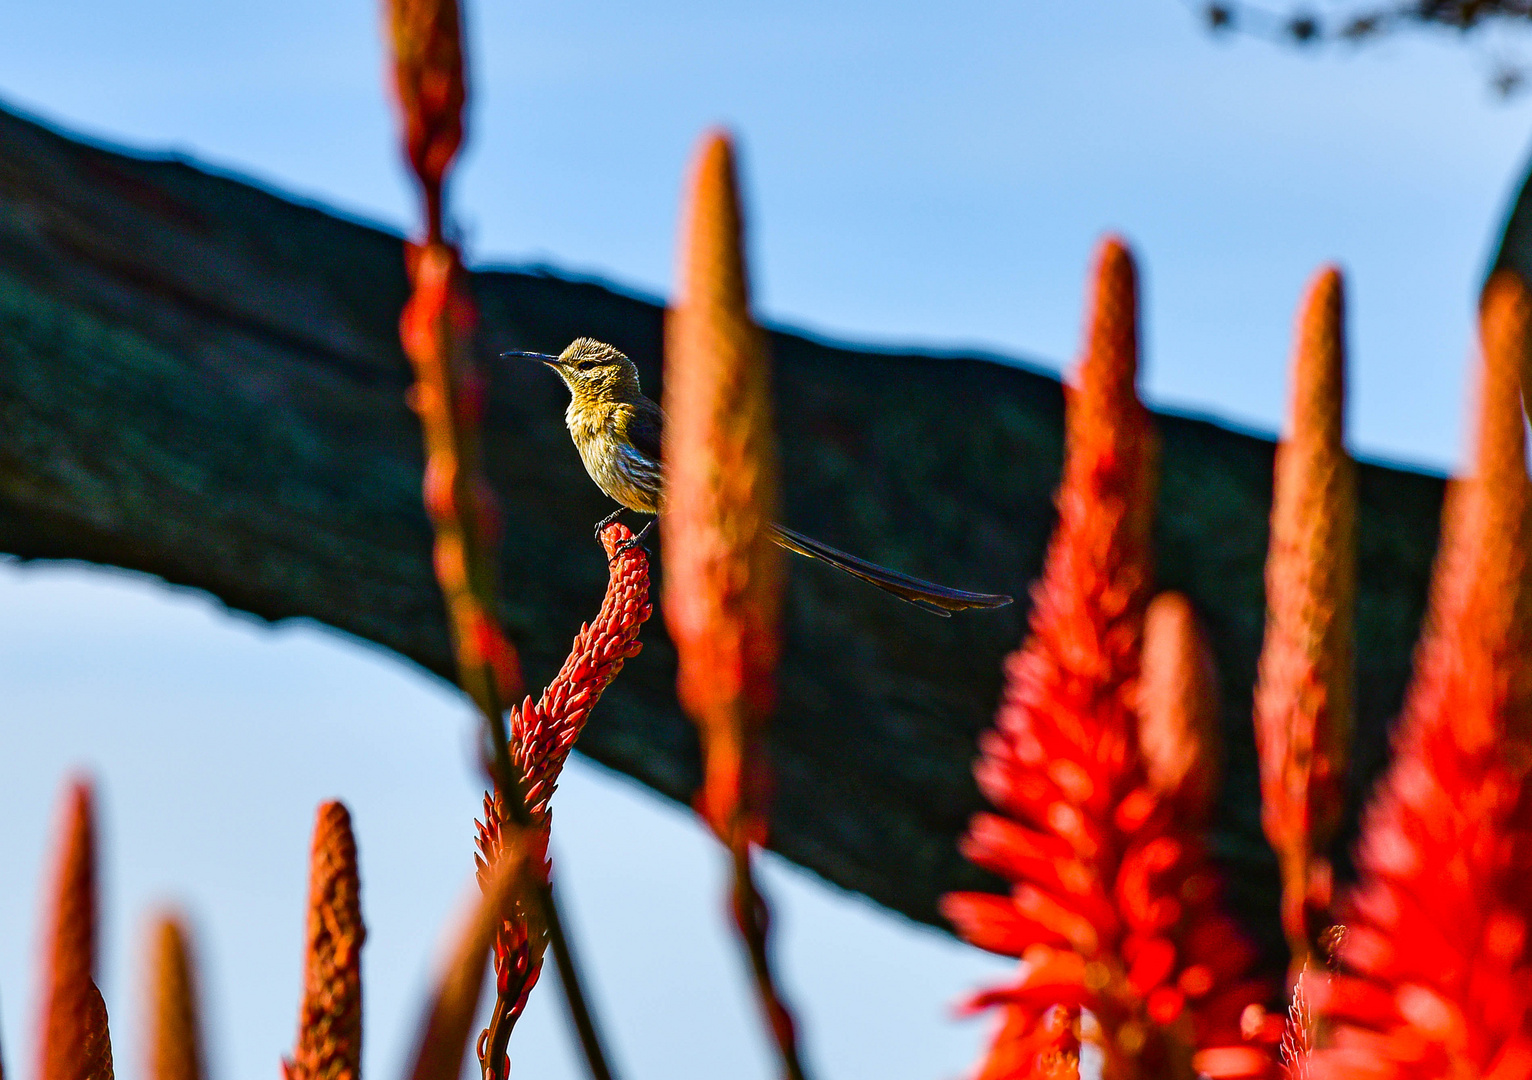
(617, 431)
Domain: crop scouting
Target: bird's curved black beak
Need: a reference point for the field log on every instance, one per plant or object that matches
(546, 358)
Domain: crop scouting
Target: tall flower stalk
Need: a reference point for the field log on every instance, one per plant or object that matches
(1435, 973)
(723, 573)
(435, 328)
(1113, 906)
(73, 1041)
(1303, 697)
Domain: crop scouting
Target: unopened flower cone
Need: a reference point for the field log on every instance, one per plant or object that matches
(73, 1042)
(1304, 690)
(174, 1044)
(330, 1018)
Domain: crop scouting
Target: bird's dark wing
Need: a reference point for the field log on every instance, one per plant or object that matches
(645, 422)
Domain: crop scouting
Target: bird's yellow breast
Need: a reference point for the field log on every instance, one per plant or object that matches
(618, 469)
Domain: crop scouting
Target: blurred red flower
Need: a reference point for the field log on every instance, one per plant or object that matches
(1435, 977)
(1113, 906)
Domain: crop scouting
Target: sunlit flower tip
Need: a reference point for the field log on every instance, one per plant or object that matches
(1505, 316)
(73, 1042)
(1491, 529)
(329, 1045)
(174, 1043)
(1178, 709)
(723, 573)
(1108, 370)
(1106, 499)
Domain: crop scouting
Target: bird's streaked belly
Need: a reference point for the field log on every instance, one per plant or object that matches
(622, 473)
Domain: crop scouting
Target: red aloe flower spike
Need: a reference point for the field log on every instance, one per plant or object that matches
(73, 1041)
(1113, 908)
(1178, 709)
(1435, 976)
(330, 1018)
(1303, 694)
(174, 1043)
(723, 573)
(542, 735)
(435, 327)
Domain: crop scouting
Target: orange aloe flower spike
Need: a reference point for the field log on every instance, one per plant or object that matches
(543, 734)
(330, 1017)
(73, 1042)
(1435, 973)
(723, 573)
(1178, 709)
(174, 1043)
(1304, 690)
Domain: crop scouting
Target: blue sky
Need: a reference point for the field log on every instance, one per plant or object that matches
(915, 173)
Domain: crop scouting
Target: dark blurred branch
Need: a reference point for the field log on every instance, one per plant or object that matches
(1347, 21)
(201, 380)
(1360, 21)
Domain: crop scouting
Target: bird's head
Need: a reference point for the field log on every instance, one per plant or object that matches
(593, 371)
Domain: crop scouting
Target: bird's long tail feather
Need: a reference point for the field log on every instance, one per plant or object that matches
(935, 598)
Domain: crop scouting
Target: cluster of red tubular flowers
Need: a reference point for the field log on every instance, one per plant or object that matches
(1113, 907)
(329, 1045)
(1434, 974)
(543, 733)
